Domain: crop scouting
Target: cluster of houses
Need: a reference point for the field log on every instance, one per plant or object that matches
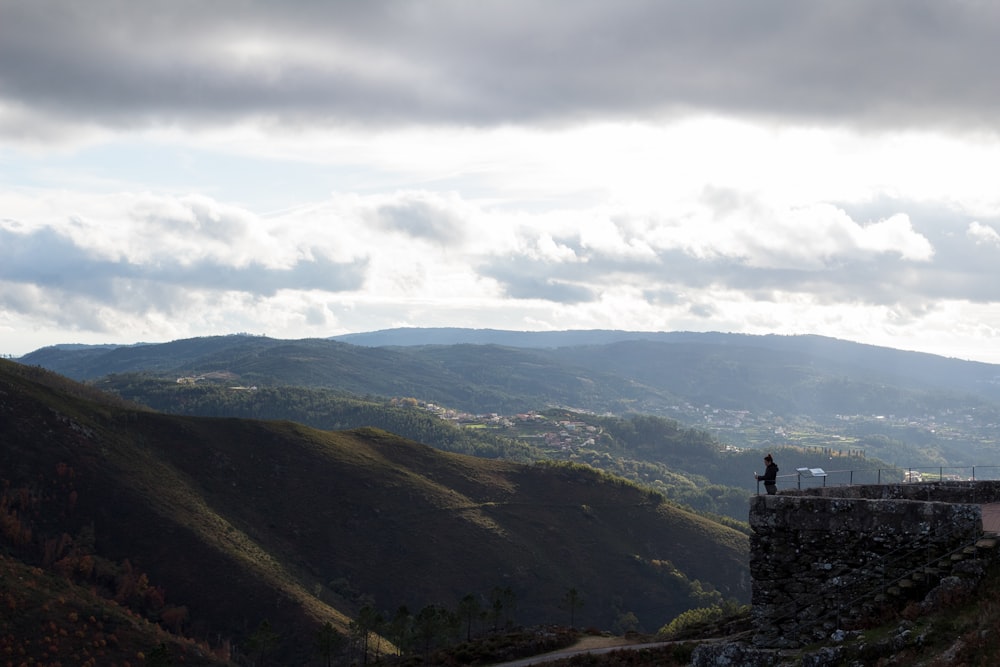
(563, 434)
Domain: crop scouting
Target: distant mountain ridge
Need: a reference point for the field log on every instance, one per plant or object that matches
(859, 355)
(410, 336)
(474, 378)
(482, 370)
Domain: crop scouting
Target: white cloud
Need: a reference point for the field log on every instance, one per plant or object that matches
(983, 234)
(161, 257)
(896, 235)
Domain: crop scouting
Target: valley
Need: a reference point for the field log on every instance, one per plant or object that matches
(271, 487)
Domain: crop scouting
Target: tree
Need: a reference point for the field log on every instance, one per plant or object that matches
(428, 626)
(572, 601)
(509, 605)
(496, 608)
(627, 622)
(159, 656)
(503, 602)
(329, 642)
(401, 629)
(468, 609)
(262, 641)
(369, 621)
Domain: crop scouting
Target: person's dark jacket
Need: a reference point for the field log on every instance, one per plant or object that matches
(770, 474)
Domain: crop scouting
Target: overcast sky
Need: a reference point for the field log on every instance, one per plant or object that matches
(179, 168)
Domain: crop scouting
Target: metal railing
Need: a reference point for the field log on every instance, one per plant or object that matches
(894, 475)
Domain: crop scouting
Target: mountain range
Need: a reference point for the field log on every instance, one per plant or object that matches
(781, 373)
(907, 408)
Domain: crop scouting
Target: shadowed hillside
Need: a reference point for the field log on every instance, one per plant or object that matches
(241, 522)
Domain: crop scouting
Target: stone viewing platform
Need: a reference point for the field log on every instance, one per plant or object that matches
(974, 492)
(833, 558)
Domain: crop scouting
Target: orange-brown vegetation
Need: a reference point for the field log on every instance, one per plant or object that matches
(45, 620)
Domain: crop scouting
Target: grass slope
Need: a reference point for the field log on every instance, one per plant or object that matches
(45, 619)
(242, 521)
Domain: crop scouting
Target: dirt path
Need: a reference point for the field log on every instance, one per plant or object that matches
(593, 645)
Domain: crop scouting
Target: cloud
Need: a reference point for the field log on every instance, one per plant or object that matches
(420, 216)
(983, 234)
(49, 260)
(500, 61)
(763, 234)
(819, 255)
(148, 253)
(525, 279)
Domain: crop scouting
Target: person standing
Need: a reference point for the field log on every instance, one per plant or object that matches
(770, 476)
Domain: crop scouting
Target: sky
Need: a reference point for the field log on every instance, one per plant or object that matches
(179, 168)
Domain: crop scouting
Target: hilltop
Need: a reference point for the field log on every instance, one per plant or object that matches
(906, 408)
(212, 527)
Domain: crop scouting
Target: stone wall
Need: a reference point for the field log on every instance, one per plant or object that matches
(834, 558)
(945, 492)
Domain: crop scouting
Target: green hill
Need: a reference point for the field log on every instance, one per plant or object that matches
(687, 465)
(908, 408)
(237, 522)
(468, 377)
(321, 408)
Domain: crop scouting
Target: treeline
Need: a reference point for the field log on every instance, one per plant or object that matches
(726, 503)
(688, 466)
(320, 408)
(654, 452)
(661, 454)
(658, 439)
(479, 629)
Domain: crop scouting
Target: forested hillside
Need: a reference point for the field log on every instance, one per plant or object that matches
(472, 378)
(321, 408)
(687, 465)
(652, 451)
(906, 408)
(829, 355)
(219, 529)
